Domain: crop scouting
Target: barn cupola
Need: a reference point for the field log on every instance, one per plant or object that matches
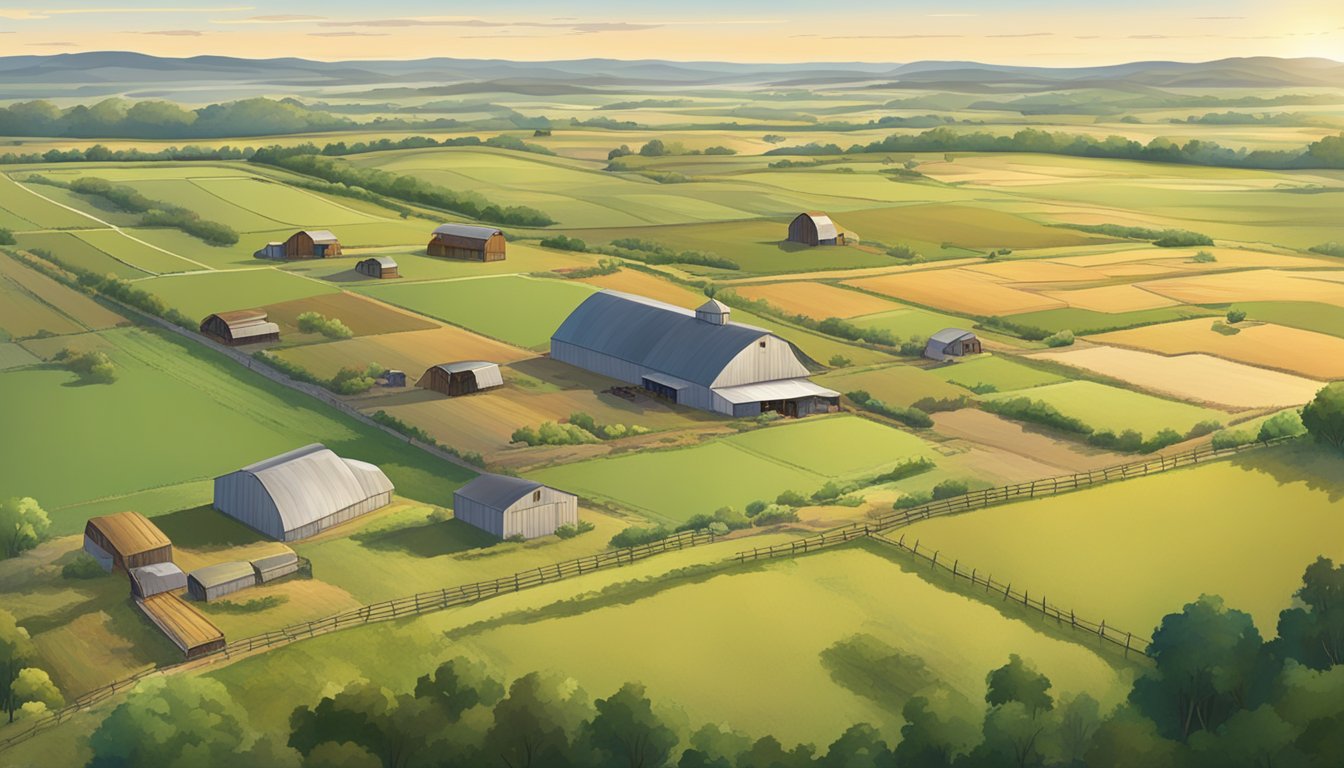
(714, 312)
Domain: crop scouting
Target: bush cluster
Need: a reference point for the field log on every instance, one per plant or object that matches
(153, 213)
(92, 367)
(564, 243)
(912, 416)
(656, 253)
(332, 328)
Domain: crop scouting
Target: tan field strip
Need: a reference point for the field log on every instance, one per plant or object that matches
(1311, 354)
(1196, 378)
(817, 300)
(1039, 272)
(410, 351)
(1254, 285)
(363, 315)
(644, 284)
(958, 290)
(1111, 298)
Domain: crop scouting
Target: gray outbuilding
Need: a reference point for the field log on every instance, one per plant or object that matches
(952, 342)
(300, 493)
(697, 358)
(215, 581)
(275, 566)
(150, 580)
(511, 506)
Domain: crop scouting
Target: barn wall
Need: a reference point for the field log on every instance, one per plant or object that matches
(242, 496)
(340, 516)
(275, 572)
(692, 395)
(754, 364)
(532, 519)
(216, 591)
(479, 515)
(803, 230)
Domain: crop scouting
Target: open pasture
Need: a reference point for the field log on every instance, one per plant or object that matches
(1103, 407)
(409, 351)
(364, 316)
(33, 302)
(958, 290)
(912, 322)
(125, 246)
(1305, 353)
(964, 227)
(642, 283)
(1002, 373)
(1276, 508)
(21, 209)
(894, 384)
(413, 265)
(816, 300)
(1037, 271)
(1089, 321)
(1307, 315)
(1199, 378)
(80, 249)
(14, 356)
(203, 293)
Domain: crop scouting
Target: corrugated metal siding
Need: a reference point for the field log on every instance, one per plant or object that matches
(525, 516)
(150, 580)
(756, 364)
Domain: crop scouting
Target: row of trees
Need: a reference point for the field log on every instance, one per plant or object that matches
(153, 213)
(118, 118)
(1216, 694)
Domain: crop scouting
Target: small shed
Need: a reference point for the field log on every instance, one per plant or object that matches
(815, 228)
(273, 250)
(215, 581)
(126, 540)
(952, 342)
(275, 566)
(394, 379)
(381, 267)
(511, 506)
(467, 241)
(192, 633)
(150, 580)
(312, 244)
(462, 378)
(242, 326)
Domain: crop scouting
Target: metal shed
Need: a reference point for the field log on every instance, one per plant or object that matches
(241, 326)
(952, 342)
(150, 580)
(215, 581)
(297, 494)
(394, 379)
(126, 540)
(690, 357)
(511, 506)
(467, 241)
(382, 267)
(275, 566)
(462, 378)
(815, 228)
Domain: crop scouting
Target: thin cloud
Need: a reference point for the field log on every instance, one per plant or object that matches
(275, 18)
(53, 45)
(890, 37)
(347, 34)
(1026, 34)
(951, 15)
(595, 26)
(174, 32)
(1217, 18)
(29, 14)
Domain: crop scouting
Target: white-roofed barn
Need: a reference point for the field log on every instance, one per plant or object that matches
(815, 229)
(467, 241)
(511, 506)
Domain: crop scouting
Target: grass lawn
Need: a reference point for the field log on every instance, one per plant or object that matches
(80, 250)
(1001, 373)
(519, 310)
(184, 413)
(895, 384)
(1243, 528)
(911, 321)
(201, 294)
(15, 356)
(122, 247)
(22, 210)
(1104, 407)
(1085, 321)
(1307, 315)
(849, 445)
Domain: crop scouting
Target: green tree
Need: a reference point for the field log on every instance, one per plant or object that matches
(937, 730)
(23, 524)
(1314, 634)
(16, 649)
(1324, 415)
(177, 720)
(1019, 681)
(1130, 740)
(860, 746)
(654, 148)
(1284, 424)
(1257, 737)
(33, 686)
(394, 728)
(340, 755)
(626, 732)
(536, 723)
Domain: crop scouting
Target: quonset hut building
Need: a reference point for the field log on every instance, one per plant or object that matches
(300, 493)
(701, 359)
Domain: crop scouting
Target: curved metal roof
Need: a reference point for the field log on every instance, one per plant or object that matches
(826, 228)
(320, 235)
(222, 573)
(467, 230)
(384, 261)
(497, 491)
(949, 335)
(658, 336)
(310, 483)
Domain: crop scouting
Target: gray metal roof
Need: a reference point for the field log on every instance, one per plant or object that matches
(466, 230)
(949, 335)
(321, 235)
(497, 491)
(785, 389)
(310, 483)
(223, 573)
(158, 577)
(714, 305)
(274, 561)
(465, 365)
(487, 373)
(658, 336)
(825, 227)
(384, 261)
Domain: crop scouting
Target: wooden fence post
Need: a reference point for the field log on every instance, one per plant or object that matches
(1128, 636)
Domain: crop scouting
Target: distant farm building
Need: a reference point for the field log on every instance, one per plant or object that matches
(300, 493)
(150, 580)
(511, 506)
(382, 267)
(467, 241)
(275, 566)
(952, 342)
(126, 540)
(304, 244)
(192, 633)
(243, 326)
(394, 379)
(215, 581)
(463, 378)
(815, 229)
(701, 359)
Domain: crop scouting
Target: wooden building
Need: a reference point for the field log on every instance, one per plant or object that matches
(815, 229)
(215, 581)
(511, 506)
(463, 378)
(192, 633)
(312, 244)
(952, 342)
(243, 326)
(126, 540)
(465, 241)
(381, 267)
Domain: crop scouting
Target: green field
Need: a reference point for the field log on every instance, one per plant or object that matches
(1085, 321)
(414, 265)
(21, 210)
(1002, 373)
(80, 250)
(184, 413)
(1103, 407)
(15, 356)
(896, 384)
(204, 293)
(1307, 315)
(911, 322)
(1131, 552)
(519, 310)
(123, 248)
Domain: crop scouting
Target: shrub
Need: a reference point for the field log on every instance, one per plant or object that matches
(1284, 424)
(1060, 339)
(949, 488)
(1204, 257)
(516, 538)
(353, 381)
(1329, 249)
(755, 508)
(82, 567)
(621, 151)
(1036, 411)
(332, 328)
(568, 531)
(1181, 238)
(911, 416)
(1229, 438)
(907, 468)
(1236, 315)
(1204, 428)
(551, 433)
(6, 237)
(774, 515)
(720, 151)
(902, 252)
(791, 499)
(634, 537)
(92, 367)
(910, 500)
(724, 519)
(839, 361)
(564, 243)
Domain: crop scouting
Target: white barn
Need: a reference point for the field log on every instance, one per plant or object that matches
(297, 494)
(701, 358)
(511, 506)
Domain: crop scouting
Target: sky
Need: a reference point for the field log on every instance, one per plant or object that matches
(1037, 32)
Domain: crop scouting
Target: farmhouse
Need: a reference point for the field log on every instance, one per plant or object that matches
(126, 540)
(463, 378)
(300, 493)
(701, 359)
(192, 633)
(243, 326)
(215, 581)
(150, 580)
(466, 241)
(815, 229)
(275, 566)
(511, 506)
(382, 267)
(951, 342)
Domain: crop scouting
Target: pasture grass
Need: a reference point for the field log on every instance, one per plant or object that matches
(80, 250)
(895, 384)
(1002, 373)
(1104, 407)
(200, 294)
(1087, 321)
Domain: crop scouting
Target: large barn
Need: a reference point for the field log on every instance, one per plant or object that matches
(382, 267)
(243, 326)
(126, 540)
(815, 229)
(701, 359)
(511, 506)
(467, 241)
(463, 378)
(952, 342)
(297, 494)
(304, 244)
